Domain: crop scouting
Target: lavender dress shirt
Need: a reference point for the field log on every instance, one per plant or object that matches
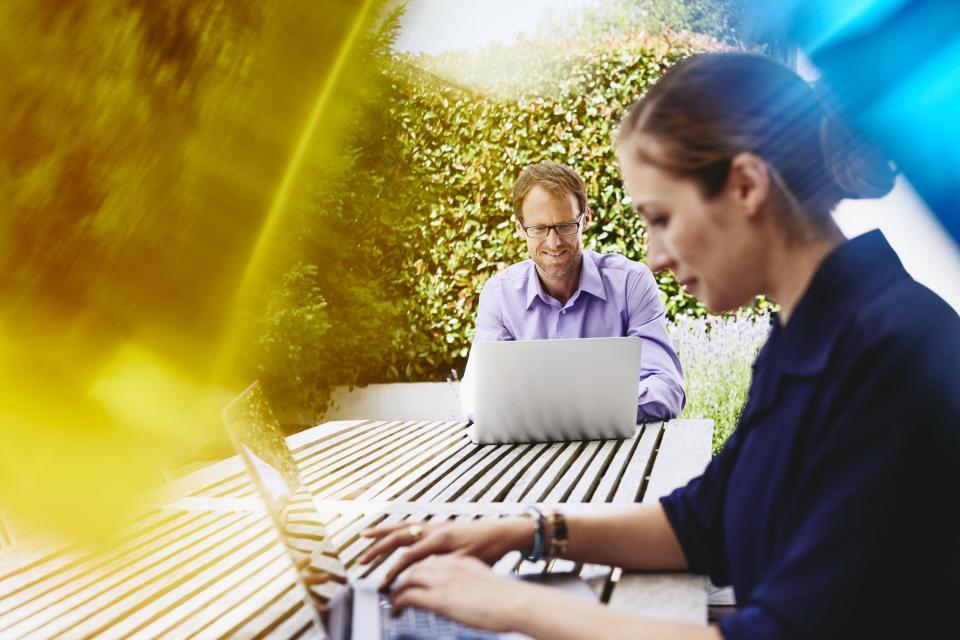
(616, 297)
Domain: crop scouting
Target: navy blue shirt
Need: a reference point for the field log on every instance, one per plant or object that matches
(833, 508)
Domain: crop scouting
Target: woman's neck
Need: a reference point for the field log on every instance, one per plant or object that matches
(794, 265)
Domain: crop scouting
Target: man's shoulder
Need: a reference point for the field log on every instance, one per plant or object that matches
(615, 262)
(515, 274)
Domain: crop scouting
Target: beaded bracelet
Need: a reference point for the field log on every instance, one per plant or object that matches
(536, 554)
(558, 537)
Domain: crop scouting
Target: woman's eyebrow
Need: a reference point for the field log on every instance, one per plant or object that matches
(641, 209)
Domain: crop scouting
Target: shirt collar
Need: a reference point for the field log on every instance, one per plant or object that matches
(847, 279)
(850, 276)
(534, 288)
(590, 280)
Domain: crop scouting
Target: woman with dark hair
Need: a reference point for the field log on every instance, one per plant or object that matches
(833, 508)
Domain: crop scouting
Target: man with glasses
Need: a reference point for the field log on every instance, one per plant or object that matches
(563, 291)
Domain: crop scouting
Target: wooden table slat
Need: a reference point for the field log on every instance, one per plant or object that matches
(34, 554)
(430, 488)
(326, 476)
(284, 605)
(593, 475)
(425, 489)
(181, 582)
(608, 484)
(324, 432)
(331, 449)
(226, 477)
(477, 465)
(199, 569)
(483, 484)
(246, 580)
(639, 464)
(364, 477)
(546, 455)
(565, 483)
(418, 461)
(89, 570)
(123, 599)
(281, 599)
(298, 623)
(512, 472)
(683, 453)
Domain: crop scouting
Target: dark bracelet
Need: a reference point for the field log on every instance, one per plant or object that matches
(536, 554)
(558, 537)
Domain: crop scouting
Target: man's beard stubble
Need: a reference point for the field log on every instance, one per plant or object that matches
(557, 272)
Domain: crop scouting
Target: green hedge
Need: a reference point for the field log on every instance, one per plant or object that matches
(407, 224)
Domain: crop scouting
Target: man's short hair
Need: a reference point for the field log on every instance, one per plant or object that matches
(558, 179)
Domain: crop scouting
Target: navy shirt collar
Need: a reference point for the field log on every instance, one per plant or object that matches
(849, 277)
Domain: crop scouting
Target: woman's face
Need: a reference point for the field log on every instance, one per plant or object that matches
(713, 246)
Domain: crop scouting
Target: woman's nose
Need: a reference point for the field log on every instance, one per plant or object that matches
(657, 257)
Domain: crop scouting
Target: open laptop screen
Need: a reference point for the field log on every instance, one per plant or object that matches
(257, 437)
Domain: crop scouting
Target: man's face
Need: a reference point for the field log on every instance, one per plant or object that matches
(555, 255)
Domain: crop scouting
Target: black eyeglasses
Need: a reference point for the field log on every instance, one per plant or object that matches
(562, 229)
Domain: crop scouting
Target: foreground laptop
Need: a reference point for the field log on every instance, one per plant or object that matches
(548, 390)
(340, 609)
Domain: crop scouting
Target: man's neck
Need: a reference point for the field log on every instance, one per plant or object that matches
(562, 289)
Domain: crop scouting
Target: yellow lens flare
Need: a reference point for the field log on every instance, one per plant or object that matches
(248, 293)
(147, 174)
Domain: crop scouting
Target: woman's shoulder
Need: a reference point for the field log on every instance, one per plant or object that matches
(907, 312)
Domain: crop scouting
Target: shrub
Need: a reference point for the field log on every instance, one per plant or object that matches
(406, 225)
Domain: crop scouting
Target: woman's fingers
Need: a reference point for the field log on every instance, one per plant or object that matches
(392, 537)
(410, 597)
(423, 575)
(384, 529)
(419, 551)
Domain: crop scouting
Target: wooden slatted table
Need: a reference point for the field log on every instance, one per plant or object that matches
(204, 562)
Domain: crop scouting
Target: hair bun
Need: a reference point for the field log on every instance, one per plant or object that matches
(859, 166)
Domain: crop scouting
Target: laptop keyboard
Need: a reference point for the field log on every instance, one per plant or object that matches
(420, 624)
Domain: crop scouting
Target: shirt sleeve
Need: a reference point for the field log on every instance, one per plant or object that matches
(696, 514)
(490, 328)
(866, 519)
(661, 394)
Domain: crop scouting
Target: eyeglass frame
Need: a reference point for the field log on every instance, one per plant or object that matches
(554, 228)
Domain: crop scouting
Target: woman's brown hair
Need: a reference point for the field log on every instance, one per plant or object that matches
(708, 108)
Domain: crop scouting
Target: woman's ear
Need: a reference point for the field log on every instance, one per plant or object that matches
(748, 182)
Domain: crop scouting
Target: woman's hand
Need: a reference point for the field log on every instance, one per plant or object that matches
(466, 590)
(487, 540)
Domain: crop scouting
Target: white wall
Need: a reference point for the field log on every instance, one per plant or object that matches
(398, 401)
(923, 245)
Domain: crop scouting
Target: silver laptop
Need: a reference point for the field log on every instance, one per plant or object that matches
(340, 609)
(547, 390)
